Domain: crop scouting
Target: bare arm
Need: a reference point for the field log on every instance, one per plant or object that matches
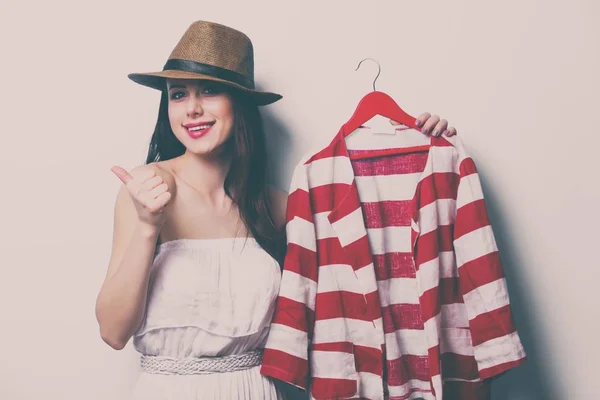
(121, 302)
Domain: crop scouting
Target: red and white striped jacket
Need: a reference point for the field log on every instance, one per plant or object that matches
(392, 283)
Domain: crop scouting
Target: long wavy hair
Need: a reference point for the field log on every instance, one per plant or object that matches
(246, 181)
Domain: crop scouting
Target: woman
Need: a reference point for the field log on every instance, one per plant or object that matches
(198, 234)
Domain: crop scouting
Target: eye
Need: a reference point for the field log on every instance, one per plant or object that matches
(177, 94)
(212, 89)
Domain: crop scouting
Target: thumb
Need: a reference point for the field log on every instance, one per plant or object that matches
(122, 174)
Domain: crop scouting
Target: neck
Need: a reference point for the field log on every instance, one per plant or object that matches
(206, 174)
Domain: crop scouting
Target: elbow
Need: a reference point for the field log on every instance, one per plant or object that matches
(110, 336)
(113, 341)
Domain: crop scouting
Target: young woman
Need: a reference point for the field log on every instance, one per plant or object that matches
(198, 234)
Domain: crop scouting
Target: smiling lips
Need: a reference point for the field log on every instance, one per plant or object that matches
(198, 130)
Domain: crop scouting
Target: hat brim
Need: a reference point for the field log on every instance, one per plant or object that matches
(156, 80)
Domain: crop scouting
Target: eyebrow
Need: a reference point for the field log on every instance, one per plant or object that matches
(177, 87)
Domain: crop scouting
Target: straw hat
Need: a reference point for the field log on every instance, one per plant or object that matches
(213, 52)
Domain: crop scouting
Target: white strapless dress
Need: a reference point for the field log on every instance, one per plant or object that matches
(208, 297)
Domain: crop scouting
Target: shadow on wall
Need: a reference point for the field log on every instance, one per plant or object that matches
(282, 148)
(532, 380)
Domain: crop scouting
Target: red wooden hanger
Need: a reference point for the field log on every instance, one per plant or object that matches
(379, 103)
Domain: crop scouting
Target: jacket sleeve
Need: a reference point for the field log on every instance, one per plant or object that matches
(286, 351)
(496, 342)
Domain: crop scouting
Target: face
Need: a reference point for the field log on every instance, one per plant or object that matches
(200, 114)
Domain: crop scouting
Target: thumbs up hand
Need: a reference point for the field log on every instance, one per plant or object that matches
(149, 193)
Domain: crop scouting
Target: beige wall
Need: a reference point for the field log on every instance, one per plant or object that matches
(519, 79)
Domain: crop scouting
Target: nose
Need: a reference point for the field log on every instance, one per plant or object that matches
(194, 108)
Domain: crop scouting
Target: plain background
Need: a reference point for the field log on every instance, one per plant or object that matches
(519, 79)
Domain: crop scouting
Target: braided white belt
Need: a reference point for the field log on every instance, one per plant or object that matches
(201, 365)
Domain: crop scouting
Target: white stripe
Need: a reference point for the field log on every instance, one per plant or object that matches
(485, 298)
(361, 333)
(391, 239)
(406, 342)
(430, 273)
(288, 340)
(350, 228)
(370, 385)
(299, 179)
(332, 365)
(330, 170)
(334, 277)
(443, 159)
(432, 329)
(469, 190)
(403, 390)
(498, 351)
(323, 226)
(457, 341)
(298, 288)
(301, 232)
(454, 315)
(397, 187)
(398, 291)
(475, 244)
(440, 212)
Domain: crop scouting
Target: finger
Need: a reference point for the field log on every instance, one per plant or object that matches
(122, 174)
(450, 131)
(161, 202)
(157, 191)
(431, 122)
(440, 127)
(143, 174)
(151, 183)
(421, 119)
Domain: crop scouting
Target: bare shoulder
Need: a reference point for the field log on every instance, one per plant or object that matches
(278, 199)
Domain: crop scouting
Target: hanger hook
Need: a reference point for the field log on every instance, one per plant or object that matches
(378, 72)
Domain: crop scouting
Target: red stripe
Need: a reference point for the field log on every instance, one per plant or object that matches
(480, 271)
(328, 388)
(394, 265)
(291, 313)
(467, 167)
(341, 347)
(329, 251)
(343, 207)
(357, 254)
(295, 372)
(450, 292)
(430, 244)
(430, 303)
(382, 214)
(467, 390)
(406, 368)
(434, 361)
(500, 368)
(325, 198)
(439, 185)
(360, 250)
(390, 165)
(298, 205)
(301, 261)
(492, 325)
(402, 316)
(459, 366)
(440, 141)
(342, 304)
(368, 359)
(470, 217)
